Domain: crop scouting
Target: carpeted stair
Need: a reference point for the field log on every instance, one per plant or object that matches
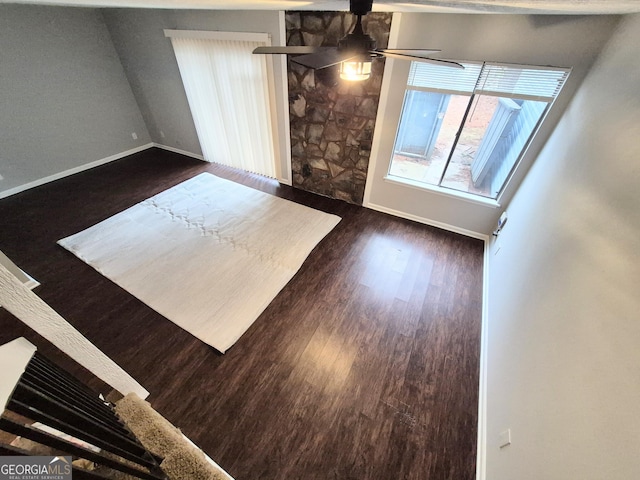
(182, 459)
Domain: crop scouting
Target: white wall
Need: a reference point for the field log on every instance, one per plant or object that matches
(537, 40)
(22, 276)
(152, 70)
(564, 291)
(34, 312)
(64, 98)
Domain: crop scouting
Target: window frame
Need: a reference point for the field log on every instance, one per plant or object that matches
(478, 90)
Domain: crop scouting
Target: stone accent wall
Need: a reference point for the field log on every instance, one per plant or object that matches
(332, 121)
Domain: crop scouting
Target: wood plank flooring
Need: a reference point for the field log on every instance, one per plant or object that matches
(365, 366)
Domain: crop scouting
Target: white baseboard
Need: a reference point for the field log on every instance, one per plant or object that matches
(177, 150)
(481, 457)
(426, 221)
(72, 171)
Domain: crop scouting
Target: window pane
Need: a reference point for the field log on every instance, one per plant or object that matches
(428, 126)
(493, 136)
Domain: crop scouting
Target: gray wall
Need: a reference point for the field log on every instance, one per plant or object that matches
(150, 66)
(537, 40)
(152, 70)
(64, 98)
(564, 276)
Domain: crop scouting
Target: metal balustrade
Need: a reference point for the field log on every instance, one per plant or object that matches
(48, 395)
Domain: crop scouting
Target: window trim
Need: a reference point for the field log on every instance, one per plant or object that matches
(444, 191)
(218, 35)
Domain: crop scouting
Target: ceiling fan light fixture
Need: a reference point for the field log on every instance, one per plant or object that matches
(356, 70)
(354, 51)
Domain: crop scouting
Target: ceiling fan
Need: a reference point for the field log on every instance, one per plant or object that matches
(354, 51)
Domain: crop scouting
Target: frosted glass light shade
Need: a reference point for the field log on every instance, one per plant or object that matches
(355, 70)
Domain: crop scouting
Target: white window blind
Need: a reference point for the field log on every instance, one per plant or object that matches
(514, 81)
(227, 90)
(444, 79)
(524, 82)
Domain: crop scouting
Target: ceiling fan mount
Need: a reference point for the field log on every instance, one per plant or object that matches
(354, 51)
(357, 41)
(360, 7)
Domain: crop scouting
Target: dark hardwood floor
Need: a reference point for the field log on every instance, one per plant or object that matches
(365, 366)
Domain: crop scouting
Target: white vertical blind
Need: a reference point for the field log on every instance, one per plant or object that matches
(227, 90)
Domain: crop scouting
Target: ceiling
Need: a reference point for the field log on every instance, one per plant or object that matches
(558, 7)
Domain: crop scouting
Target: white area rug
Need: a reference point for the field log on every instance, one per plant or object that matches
(209, 254)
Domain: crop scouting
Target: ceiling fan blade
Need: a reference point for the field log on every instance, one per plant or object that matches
(324, 59)
(444, 63)
(301, 50)
(420, 52)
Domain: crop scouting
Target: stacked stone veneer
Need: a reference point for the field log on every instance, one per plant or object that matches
(332, 121)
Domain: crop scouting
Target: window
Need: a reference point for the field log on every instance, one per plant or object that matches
(466, 130)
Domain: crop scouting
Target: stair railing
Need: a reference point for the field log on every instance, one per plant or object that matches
(85, 426)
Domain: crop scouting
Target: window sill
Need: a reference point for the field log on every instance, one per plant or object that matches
(466, 197)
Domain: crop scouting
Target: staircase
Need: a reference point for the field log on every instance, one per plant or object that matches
(46, 411)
